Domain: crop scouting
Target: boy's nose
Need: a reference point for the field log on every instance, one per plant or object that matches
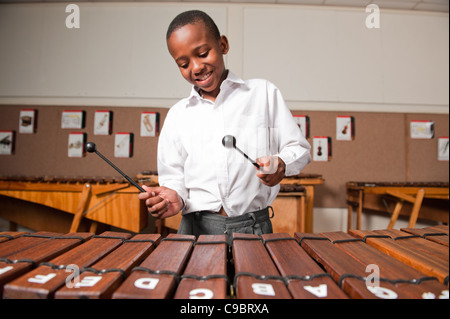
(197, 67)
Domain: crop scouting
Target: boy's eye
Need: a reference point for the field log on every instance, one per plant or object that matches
(204, 54)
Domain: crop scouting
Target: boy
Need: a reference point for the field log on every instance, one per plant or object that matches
(217, 189)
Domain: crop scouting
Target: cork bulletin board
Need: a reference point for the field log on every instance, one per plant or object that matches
(381, 150)
(45, 153)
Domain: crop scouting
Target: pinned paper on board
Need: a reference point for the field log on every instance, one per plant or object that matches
(321, 148)
(303, 124)
(76, 143)
(6, 142)
(443, 148)
(149, 123)
(27, 121)
(422, 129)
(345, 128)
(72, 119)
(123, 142)
(102, 122)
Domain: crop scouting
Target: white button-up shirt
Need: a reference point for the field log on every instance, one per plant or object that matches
(193, 162)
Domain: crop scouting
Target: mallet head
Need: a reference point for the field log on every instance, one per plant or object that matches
(91, 147)
(229, 141)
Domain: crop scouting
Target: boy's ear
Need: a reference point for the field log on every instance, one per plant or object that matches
(224, 45)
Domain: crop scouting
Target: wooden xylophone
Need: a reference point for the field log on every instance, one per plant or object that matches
(111, 201)
(407, 263)
(398, 198)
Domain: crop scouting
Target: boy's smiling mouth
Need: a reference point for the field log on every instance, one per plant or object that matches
(204, 77)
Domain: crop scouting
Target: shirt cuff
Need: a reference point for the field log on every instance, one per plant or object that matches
(294, 162)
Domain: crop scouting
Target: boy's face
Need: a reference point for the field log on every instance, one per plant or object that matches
(199, 57)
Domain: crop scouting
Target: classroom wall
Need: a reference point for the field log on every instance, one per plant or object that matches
(381, 151)
(324, 60)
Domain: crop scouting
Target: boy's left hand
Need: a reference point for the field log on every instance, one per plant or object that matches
(272, 170)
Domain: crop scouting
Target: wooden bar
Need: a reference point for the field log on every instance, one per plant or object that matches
(308, 280)
(24, 242)
(43, 281)
(347, 272)
(256, 276)
(21, 262)
(433, 250)
(310, 266)
(430, 233)
(411, 257)
(205, 276)
(156, 277)
(104, 277)
(407, 279)
(8, 235)
(443, 228)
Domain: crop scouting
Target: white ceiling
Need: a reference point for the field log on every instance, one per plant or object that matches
(416, 5)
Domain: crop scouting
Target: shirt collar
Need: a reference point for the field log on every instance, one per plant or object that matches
(231, 78)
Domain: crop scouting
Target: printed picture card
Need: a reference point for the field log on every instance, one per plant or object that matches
(443, 148)
(77, 140)
(72, 119)
(123, 142)
(102, 122)
(6, 142)
(422, 129)
(321, 148)
(27, 121)
(303, 123)
(345, 128)
(149, 123)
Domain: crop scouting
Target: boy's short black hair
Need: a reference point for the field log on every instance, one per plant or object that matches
(191, 17)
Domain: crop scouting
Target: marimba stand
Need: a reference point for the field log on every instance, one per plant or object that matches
(416, 198)
(87, 191)
(107, 201)
(413, 193)
(308, 182)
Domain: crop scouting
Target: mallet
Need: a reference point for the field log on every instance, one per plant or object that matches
(92, 148)
(229, 141)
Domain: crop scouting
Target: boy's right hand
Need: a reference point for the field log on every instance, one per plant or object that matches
(272, 170)
(161, 202)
